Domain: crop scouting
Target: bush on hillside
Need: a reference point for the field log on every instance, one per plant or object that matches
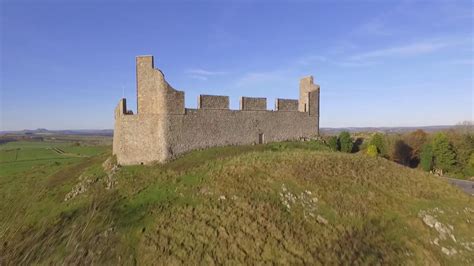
(372, 150)
(444, 156)
(345, 142)
(333, 143)
(378, 141)
(426, 157)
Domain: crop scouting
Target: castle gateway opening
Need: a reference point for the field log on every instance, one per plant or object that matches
(261, 138)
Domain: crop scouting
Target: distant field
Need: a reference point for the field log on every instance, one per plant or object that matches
(21, 156)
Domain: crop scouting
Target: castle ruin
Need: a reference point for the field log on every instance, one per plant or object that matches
(163, 128)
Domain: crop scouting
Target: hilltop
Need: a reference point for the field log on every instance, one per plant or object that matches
(291, 202)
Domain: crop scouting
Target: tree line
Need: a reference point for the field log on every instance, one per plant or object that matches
(448, 152)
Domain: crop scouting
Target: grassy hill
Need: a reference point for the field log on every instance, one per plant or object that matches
(277, 203)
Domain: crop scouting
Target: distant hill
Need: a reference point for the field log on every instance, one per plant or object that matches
(324, 130)
(42, 131)
(330, 131)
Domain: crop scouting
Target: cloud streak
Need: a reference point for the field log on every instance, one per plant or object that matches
(403, 50)
(203, 74)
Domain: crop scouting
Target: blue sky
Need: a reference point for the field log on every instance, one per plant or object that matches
(65, 64)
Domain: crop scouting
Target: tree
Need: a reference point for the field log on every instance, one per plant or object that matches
(402, 153)
(426, 157)
(333, 143)
(469, 169)
(416, 140)
(444, 156)
(372, 150)
(463, 146)
(378, 141)
(345, 141)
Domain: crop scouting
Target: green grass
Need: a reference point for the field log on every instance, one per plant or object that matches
(225, 205)
(20, 156)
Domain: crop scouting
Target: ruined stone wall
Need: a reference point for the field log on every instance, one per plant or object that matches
(163, 129)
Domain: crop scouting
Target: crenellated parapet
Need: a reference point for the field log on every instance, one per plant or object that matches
(286, 105)
(215, 102)
(253, 104)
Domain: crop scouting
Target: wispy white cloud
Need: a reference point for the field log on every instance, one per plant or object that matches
(199, 71)
(402, 50)
(203, 74)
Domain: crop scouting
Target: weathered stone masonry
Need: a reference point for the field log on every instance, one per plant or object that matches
(163, 128)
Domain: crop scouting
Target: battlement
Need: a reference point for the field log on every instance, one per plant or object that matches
(253, 104)
(163, 128)
(286, 105)
(213, 102)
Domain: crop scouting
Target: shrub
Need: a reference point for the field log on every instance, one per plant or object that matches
(402, 153)
(469, 169)
(378, 141)
(426, 157)
(345, 141)
(444, 156)
(333, 143)
(372, 150)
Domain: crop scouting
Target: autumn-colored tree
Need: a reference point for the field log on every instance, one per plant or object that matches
(416, 140)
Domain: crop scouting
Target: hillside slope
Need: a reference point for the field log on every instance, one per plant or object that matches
(278, 203)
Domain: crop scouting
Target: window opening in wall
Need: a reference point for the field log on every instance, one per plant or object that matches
(261, 138)
(305, 107)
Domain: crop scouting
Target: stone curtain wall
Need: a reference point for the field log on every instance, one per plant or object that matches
(207, 128)
(163, 129)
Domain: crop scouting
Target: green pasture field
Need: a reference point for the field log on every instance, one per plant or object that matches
(20, 156)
